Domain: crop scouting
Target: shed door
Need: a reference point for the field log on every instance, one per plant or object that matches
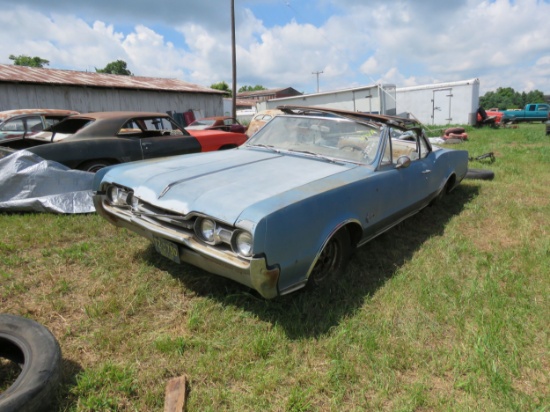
(441, 106)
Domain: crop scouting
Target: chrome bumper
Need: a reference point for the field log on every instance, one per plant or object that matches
(253, 273)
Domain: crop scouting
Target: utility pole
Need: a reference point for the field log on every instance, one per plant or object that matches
(317, 73)
(234, 62)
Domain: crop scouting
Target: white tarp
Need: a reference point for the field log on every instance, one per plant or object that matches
(29, 183)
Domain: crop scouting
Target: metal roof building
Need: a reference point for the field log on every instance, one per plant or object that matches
(378, 99)
(23, 87)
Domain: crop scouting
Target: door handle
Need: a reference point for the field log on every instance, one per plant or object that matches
(426, 171)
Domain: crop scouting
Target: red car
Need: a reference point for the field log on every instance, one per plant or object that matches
(225, 123)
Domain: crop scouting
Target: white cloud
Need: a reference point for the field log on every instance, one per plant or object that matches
(370, 66)
(503, 42)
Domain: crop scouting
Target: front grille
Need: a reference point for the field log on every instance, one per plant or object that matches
(164, 217)
(180, 223)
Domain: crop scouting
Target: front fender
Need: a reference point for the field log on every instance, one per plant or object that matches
(295, 235)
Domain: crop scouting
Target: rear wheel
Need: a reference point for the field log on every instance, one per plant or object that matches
(94, 165)
(333, 259)
(446, 189)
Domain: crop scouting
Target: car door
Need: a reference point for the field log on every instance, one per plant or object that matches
(397, 190)
(418, 180)
(161, 137)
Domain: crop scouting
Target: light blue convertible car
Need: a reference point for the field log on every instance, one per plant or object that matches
(286, 209)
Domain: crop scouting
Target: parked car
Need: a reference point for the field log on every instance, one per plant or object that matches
(260, 119)
(16, 125)
(225, 123)
(287, 208)
(95, 140)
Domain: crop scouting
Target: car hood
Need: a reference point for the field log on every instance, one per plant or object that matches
(224, 184)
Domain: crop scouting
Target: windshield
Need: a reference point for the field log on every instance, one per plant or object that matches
(203, 122)
(330, 137)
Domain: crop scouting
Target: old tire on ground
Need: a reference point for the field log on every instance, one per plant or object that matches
(94, 165)
(479, 174)
(333, 258)
(454, 130)
(33, 347)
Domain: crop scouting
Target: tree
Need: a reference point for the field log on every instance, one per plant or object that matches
(23, 60)
(116, 67)
(508, 98)
(222, 86)
(251, 88)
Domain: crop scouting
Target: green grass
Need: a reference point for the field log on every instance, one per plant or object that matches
(446, 312)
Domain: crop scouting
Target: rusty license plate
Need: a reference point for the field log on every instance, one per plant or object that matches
(167, 249)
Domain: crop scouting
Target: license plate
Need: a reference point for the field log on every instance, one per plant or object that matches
(167, 249)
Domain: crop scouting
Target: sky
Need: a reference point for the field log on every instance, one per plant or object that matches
(309, 45)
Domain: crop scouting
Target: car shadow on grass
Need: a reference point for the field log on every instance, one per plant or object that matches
(311, 313)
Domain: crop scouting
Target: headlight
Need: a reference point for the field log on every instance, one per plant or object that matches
(206, 230)
(112, 194)
(119, 196)
(132, 200)
(243, 244)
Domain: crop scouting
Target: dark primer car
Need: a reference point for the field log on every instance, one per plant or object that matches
(16, 126)
(286, 209)
(94, 140)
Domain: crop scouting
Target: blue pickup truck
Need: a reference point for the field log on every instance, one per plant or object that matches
(533, 112)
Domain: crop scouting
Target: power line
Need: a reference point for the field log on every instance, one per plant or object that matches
(317, 73)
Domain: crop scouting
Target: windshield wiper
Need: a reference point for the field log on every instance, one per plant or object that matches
(317, 155)
(265, 146)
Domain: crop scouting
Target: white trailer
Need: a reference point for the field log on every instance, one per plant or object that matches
(442, 103)
(377, 99)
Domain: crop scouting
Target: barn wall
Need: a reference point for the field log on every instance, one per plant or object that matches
(86, 99)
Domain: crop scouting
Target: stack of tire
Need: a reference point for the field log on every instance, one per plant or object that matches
(455, 135)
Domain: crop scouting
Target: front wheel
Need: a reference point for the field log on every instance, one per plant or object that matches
(333, 259)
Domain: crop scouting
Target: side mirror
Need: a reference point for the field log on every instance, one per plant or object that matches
(403, 162)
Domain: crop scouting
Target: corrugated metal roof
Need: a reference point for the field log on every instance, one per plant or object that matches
(24, 74)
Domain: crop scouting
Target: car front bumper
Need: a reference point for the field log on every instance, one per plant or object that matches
(253, 273)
